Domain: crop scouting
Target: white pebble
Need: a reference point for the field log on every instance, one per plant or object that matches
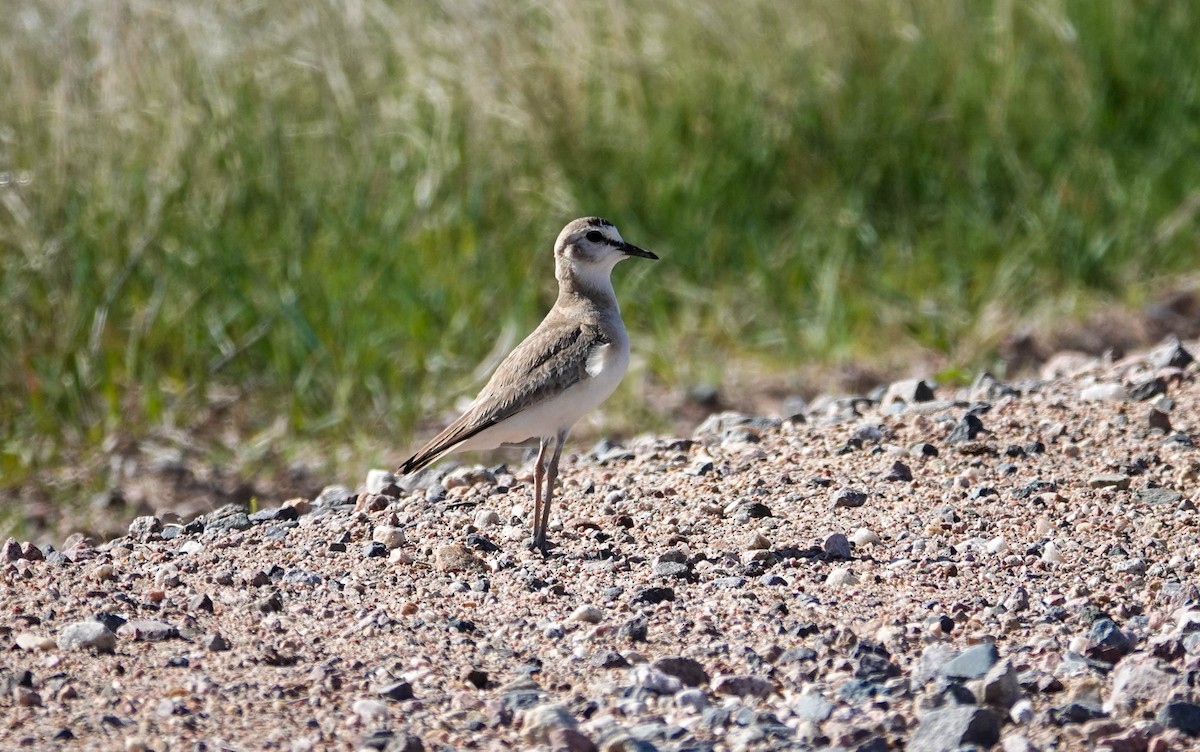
(841, 576)
(485, 518)
(1051, 554)
(864, 536)
(1021, 712)
(997, 545)
(392, 537)
(587, 614)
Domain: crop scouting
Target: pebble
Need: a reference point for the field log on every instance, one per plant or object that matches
(540, 720)
(1181, 715)
(1108, 392)
(586, 614)
(370, 711)
(687, 670)
(841, 576)
(849, 497)
(1021, 712)
(863, 537)
(215, 642)
(967, 429)
(908, 391)
(948, 729)
(145, 529)
(377, 480)
(485, 518)
(388, 535)
(812, 706)
(1000, 685)
(1118, 481)
(455, 557)
(693, 700)
(1139, 680)
(836, 546)
(1107, 642)
(972, 663)
(743, 685)
(147, 630)
(87, 634)
(899, 472)
(32, 642)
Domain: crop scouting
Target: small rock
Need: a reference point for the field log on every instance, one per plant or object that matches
(687, 670)
(1076, 711)
(485, 518)
(812, 706)
(12, 550)
(836, 546)
(841, 576)
(1107, 642)
(587, 614)
(388, 535)
(966, 430)
(864, 537)
(1111, 392)
(145, 529)
(370, 711)
(87, 634)
(848, 497)
(570, 740)
(899, 472)
(1181, 715)
(694, 700)
(1118, 481)
(147, 630)
(477, 678)
(652, 680)
(26, 697)
(654, 595)
(539, 721)
(1137, 681)
(634, 630)
(455, 557)
(1000, 685)
(743, 685)
(972, 663)
(909, 391)
(30, 641)
(1021, 712)
(947, 729)
(397, 691)
(1171, 355)
(374, 550)
(215, 642)
(1148, 389)
(377, 480)
(1157, 420)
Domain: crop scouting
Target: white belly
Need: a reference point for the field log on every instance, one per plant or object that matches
(605, 368)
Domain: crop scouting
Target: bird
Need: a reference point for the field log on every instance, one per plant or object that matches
(566, 367)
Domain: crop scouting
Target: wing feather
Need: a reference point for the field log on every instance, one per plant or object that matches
(551, 360)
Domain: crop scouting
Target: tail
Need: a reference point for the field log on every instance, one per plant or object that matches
(419, 461)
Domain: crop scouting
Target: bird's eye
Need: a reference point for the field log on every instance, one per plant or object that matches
(594, 236)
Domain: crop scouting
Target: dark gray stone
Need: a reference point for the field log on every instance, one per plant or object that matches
(972, 663)
(687, 670)
(1184, 716)
(967, 429)
(1076, 712)
(947, 729)
(1109, 643)
(849, 497)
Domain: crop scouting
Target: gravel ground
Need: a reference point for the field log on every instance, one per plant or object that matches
(1007, 566)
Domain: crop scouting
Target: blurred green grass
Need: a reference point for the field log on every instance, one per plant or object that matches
(336, 208)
